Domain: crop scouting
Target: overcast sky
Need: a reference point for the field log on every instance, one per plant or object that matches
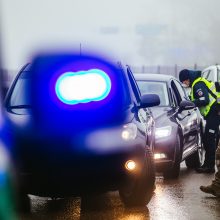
(140, 32)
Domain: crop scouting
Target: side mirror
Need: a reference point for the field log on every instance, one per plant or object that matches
(186, 105)
(149, 100)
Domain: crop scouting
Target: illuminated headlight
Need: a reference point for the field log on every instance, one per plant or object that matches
(159, 156)
(130, 165)
(129, 131)
(163, 132)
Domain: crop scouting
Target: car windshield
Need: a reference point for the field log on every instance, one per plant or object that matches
(19, 98)
(159, 88)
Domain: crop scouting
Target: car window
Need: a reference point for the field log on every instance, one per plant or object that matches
(18, 96)
(176, 94)
(152, 87)
(181, 90)
(172, 98)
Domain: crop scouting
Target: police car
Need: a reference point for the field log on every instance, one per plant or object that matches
(81, 127)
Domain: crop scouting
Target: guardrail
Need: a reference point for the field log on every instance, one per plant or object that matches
(8, 75)
(162, 69)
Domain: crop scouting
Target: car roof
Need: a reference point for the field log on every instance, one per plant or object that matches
(211, 67)
(27, 67)
(153, 77)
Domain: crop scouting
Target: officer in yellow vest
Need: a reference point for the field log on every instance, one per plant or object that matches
(205, 97)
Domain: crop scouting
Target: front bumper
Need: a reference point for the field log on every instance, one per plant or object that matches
(58, 170)
(164, 146)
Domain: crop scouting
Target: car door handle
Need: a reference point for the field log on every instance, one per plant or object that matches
(189, 113)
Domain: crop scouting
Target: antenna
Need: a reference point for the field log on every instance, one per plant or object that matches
(80, 49)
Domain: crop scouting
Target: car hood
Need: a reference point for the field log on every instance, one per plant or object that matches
(19, 118)
(161, 115)
(83, 141)
(23, 118)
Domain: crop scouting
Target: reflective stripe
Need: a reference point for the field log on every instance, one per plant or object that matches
(202, 98)
(212, 87)
(211, 131)
(211, 99)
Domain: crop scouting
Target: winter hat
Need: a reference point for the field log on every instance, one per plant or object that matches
(184, 75)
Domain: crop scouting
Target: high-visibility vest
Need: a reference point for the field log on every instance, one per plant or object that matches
(213, 95)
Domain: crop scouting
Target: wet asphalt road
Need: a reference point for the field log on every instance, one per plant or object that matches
(172, 200)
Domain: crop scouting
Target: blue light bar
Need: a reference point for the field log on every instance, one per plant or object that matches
(83, 86)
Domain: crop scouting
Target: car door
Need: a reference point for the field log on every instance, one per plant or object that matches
(187, 118)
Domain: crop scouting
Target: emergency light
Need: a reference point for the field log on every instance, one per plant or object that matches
(76, 93)
(83, 86)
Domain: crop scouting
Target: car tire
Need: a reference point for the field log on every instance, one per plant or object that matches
(174, 172)
(24, 203)
(138, 190)
(195, 160)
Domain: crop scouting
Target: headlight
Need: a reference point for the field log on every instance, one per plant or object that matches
(129, 132)
(163, 132)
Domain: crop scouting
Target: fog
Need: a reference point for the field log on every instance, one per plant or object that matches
(141, 32)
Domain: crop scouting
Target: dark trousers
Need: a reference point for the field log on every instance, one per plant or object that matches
(211, 138)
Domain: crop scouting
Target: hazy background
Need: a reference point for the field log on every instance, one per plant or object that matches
(140, 32)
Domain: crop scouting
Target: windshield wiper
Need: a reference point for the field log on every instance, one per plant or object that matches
(19, 106)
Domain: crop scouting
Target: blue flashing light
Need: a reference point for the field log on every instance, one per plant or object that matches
(83, 86)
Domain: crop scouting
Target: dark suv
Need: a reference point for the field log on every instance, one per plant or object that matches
(81, 127)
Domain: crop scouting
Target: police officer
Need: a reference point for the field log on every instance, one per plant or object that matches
(204, 95)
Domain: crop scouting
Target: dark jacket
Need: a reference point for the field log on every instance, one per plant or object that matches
(200, 90)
